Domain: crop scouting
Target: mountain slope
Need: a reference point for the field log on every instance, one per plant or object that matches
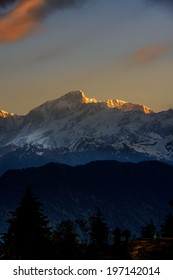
(74, 129)
(128, 194)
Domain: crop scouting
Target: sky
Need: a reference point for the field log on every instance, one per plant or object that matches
(109, 49)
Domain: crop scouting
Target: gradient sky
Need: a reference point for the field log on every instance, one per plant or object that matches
(110, 49)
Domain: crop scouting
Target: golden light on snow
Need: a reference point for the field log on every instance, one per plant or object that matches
(119, 104)
(5, 114)
(88, 100)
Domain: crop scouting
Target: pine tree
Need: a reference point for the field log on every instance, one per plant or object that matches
(65, 240)
(167, 227)
(98, 230)
(28, 232)
(149, 230)
(126, 234)
(117, 234)
(120, 243)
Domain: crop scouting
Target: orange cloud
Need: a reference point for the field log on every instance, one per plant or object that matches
(21, 20)
(146, 55)
(26, 16)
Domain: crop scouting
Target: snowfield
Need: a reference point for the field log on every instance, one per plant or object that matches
(76, 124)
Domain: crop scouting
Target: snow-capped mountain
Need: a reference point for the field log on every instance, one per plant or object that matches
(4, 114)
(75, 129)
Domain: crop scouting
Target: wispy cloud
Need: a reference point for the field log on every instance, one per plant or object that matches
(164, 2)
(4, 3)
(20, 21)
(27, 15)
(149, 53)
(63, 48)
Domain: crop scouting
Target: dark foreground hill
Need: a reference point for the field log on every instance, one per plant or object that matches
(129, 194)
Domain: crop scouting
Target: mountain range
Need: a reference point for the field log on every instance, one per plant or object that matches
(128, 194)
(74, 129)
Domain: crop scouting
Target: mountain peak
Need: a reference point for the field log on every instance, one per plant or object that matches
(78, 96)
(74, 99)
(115, 103)
(127, 106)
(73, 94)
(4, 114)
(67, 129)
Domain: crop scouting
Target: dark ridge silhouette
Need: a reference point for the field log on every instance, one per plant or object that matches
(29, 237)
(129, 194)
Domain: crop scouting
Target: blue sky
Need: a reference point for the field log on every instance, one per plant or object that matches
(110, 49)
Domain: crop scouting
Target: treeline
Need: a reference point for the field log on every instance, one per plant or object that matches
(29, 235)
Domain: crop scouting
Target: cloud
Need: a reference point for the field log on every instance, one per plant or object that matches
(26, 16)
(167, 3)
(60, 4)
(4, 3)
(61, 49)
(149, 53)
(20, 21)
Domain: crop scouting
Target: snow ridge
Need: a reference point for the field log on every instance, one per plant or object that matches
(5, 114)
(76, 124)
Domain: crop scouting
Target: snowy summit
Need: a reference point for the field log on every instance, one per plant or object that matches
(76, 129)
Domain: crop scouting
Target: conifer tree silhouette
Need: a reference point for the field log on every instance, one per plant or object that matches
(117, 234)
(126, 234)
(120, 243)
(167, 227)
(98, 230)
(66, 243)
(28, 232)
(149, 230)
